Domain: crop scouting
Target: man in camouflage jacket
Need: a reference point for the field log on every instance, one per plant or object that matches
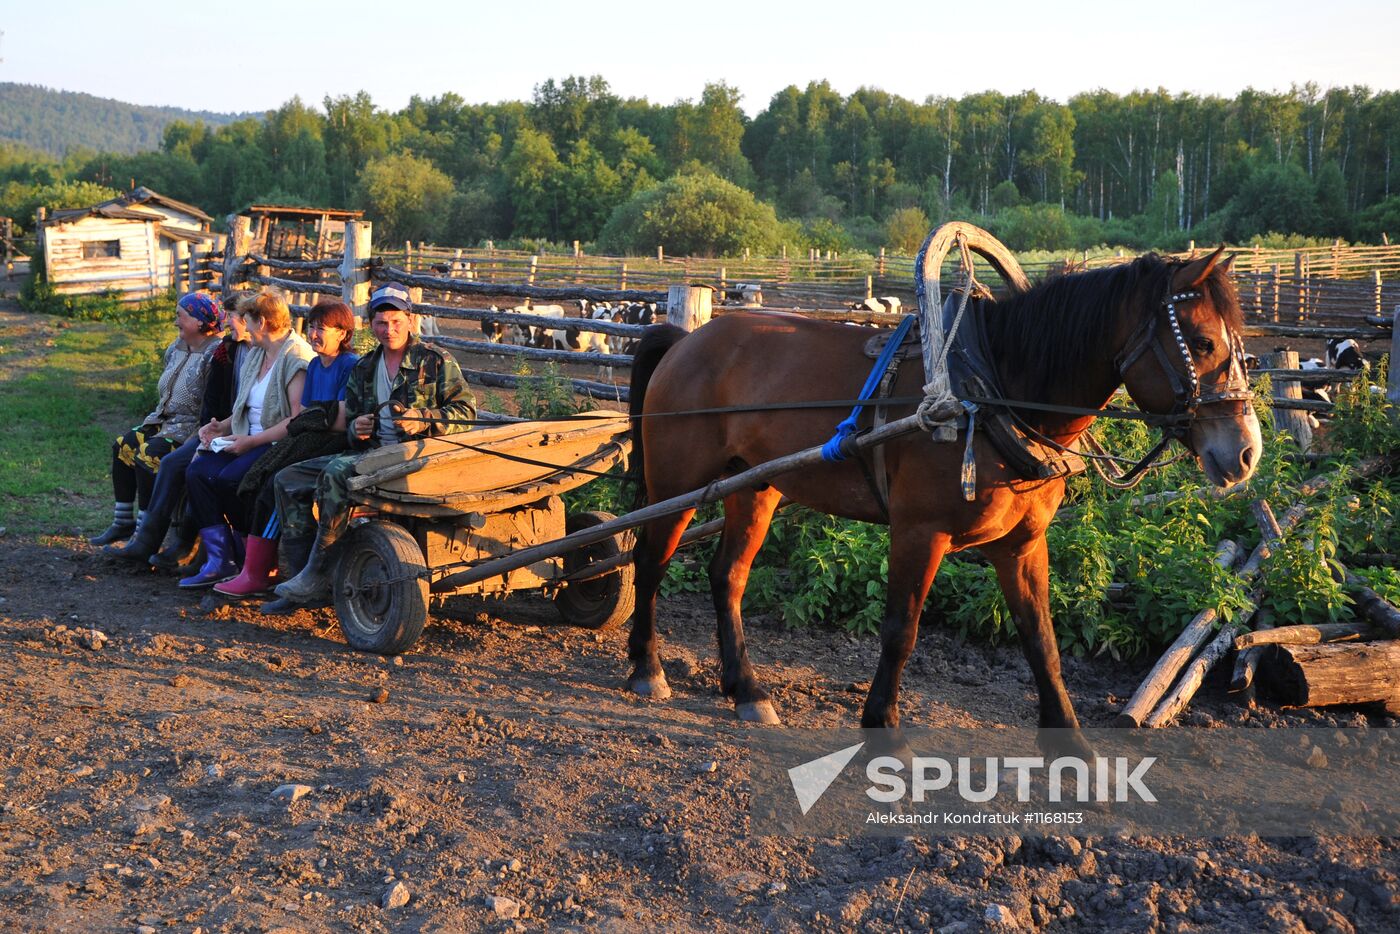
(401, 390)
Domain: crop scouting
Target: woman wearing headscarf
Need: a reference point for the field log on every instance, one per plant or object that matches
(199, 320)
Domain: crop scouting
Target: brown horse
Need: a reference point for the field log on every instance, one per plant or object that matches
(1168, 330)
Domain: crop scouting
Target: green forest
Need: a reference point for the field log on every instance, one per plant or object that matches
(813, 168)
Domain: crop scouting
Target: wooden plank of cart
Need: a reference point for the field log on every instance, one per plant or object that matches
(428, 510)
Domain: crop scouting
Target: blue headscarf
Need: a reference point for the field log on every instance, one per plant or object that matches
(204, 308)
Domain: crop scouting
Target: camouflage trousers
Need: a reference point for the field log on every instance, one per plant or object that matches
(321, 482)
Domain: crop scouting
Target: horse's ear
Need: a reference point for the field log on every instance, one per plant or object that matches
(1197, 271)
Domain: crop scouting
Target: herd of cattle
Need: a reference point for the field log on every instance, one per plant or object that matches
(568, 337)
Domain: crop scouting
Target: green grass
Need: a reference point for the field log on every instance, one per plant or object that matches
(63, 405)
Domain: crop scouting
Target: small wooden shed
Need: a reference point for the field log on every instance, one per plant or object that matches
(298, 233)
(134, 244)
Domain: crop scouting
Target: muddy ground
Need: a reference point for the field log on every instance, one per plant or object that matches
(500, 769)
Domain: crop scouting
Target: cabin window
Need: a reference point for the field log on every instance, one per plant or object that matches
(102, 249)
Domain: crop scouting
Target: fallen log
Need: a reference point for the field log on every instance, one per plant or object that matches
(1180, 652)
(1303, 635)
(1177, 699)
(1247, 663)
(1372, 607)
(1324, 675)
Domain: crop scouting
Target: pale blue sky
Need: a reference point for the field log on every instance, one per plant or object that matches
(155, 53)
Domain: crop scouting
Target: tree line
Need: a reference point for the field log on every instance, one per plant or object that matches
(813, 168)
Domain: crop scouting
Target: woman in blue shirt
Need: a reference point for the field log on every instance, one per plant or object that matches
(331, 329)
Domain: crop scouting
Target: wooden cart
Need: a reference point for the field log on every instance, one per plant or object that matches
(429, 510)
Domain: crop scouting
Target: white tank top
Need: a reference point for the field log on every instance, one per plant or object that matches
(256, 397)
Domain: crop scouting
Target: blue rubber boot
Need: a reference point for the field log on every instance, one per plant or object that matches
(221, 561)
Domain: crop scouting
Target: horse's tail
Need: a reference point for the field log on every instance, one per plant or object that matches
(656, 340)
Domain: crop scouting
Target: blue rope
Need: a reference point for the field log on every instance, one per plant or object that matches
(831, 451)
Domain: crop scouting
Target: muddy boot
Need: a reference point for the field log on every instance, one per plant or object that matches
(313, 584)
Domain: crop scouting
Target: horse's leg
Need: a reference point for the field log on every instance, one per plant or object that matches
(914, 558)
(656, 543)
(1023, 570)
(747, 516)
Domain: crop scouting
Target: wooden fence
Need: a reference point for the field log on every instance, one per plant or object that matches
(443, 283)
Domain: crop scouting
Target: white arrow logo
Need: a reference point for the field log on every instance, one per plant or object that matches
(810, 780)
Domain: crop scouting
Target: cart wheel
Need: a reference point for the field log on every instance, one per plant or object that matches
(604, 602)
(381, 589)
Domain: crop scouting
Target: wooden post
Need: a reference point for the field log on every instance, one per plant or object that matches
(1376, 288)
(722, 287)
(577, 252)
(179, 269)
(880, 264)
(746, 254)
(784, 251)
(1293, 421)
(534, 266)
(240, 233)
(41, 215)
(1299, 274)
(660, 254)
(197, 252)
(688, 306)
(869, 287)
(622, 276)
(354, 267)
(1274, 273)
(1191, 249)
(1392, 383)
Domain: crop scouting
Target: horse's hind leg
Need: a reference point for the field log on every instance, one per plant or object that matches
(747, 516)
(656, 543)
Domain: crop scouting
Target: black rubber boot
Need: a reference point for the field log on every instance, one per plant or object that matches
(177, 553)
(116, 532)
(293, 553)
(141, 546)
(313, 584)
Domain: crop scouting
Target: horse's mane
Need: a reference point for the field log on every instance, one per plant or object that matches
(1056, 334)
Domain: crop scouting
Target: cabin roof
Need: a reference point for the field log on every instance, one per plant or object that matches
(292, 210)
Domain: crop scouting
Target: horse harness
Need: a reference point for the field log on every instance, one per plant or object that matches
(974, 379)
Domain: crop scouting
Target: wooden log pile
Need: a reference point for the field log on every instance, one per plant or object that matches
(1304, 665)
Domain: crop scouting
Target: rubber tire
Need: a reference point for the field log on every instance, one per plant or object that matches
(388, 619)
(607, 602)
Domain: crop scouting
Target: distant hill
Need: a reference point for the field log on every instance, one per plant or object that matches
(56, 122)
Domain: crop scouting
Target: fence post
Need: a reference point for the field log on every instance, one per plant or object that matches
(723, 274)
(240, 235)
(1376, 285)
(784, 251)
(622, 277)
(180, 263)
(869, 287)
(1274, 272)
(1299, 273)
(1293, 421)
(688, 306)
(354, 267)
(660, 254)
(197, 250)
(1392, 382)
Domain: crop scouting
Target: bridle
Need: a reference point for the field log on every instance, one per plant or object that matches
(1186, 390)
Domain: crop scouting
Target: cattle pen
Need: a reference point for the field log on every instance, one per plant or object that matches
(1320, 295)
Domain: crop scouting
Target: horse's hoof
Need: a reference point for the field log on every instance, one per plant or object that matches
(1068, 743)
(758, 712)
(655, 687)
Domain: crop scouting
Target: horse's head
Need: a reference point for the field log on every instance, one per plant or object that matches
(1186, 358)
